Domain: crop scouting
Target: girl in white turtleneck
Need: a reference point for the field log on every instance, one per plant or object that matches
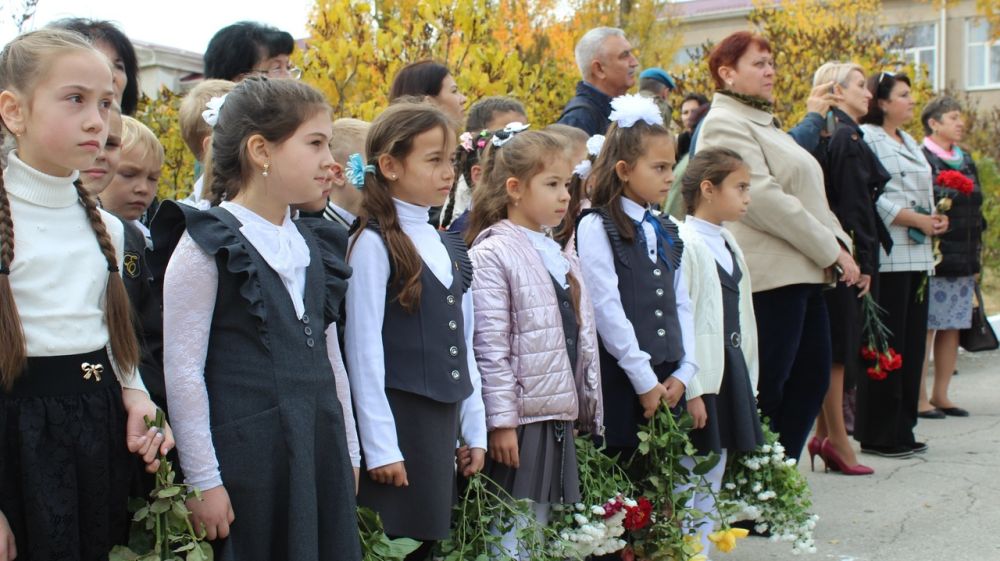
(408, 336)
(722, 395)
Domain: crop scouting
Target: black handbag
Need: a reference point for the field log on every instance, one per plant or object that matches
(979, 337)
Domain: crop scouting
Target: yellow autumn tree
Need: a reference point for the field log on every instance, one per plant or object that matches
(520, 48)
(804, 34)
(161, 116)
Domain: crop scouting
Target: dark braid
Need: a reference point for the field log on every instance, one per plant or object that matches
(12, 345)
(117, 309)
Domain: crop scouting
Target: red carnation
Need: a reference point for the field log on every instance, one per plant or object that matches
(628, 554)
(869, 353)
(876, 373)
(637, 517)
(895, 360)
(612, 507)
(956, 180)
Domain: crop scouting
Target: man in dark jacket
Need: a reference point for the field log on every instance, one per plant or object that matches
(608, 69)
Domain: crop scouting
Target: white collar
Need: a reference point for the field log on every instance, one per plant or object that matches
(411, 214)
(42, 189)
(634, 210)
(703, 227)
(343, 212)
(550, 252)
(282, 247)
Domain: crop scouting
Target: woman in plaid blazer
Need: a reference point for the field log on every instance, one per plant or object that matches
(887, 409)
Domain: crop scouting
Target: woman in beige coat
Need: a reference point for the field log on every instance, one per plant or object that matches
(793, 243)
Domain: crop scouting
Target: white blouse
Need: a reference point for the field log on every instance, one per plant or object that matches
(365, 305)
(189, 289)
(615, 329)
(711, 235)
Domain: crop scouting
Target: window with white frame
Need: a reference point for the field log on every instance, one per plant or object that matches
(685, 55)
(983, 56)
(919, 46)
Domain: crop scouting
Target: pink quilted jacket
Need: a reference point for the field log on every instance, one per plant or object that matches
(519, 338)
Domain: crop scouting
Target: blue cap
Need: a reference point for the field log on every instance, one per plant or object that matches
(660, 75)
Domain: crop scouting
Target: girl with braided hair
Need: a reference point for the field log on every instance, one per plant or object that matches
(72, 405)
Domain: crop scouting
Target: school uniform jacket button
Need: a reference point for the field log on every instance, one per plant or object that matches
(565, 304)
(310, 343)
(455, 374)
(450, 299)
(657, 272)
(308, 330)
(453, 325)
(570, 342)
(659, 292)
(658, 313)
(453, 351)
(661, 332)
(305, 318)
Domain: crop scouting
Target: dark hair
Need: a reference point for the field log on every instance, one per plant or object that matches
(729, 51)
(100, 30)
(22, 63)
(652, 85)
(482, 111)
(881, 85)
(711, 164)
(236, 49)
(423, 78)
(273, 109)
(702, 100)
(935, 109)
(392, 134)
(626, 144)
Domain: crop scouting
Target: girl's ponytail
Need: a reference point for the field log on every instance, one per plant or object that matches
(117, 309)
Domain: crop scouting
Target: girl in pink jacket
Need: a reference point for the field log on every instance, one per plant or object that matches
(535, 338)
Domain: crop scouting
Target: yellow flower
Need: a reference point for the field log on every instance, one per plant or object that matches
(725, 540)
(692, 544)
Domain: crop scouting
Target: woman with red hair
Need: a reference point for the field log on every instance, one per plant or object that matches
(793, 243)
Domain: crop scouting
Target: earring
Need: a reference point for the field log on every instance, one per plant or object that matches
(267, 169)
(729, 83)
(393, 177)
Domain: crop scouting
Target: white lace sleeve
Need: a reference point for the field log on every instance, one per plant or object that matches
(343, 393)
(189, 288)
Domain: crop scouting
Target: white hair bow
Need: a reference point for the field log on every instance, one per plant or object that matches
(629, 109)
(594, 144)
(501, 137)
(214, 105)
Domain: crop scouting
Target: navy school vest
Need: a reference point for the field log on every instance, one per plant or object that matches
(425, 351)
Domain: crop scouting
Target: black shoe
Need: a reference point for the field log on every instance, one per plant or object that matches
(918, 447)
(954, 412)
(888, 451)
(931, 414)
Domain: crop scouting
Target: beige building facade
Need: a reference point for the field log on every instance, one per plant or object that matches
(951, 42)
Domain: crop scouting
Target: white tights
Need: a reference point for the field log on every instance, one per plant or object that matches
(705, 502)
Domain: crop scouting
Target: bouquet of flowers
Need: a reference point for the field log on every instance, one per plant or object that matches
(671, 485)
(765, 486)
(956, 181)
(876, 349)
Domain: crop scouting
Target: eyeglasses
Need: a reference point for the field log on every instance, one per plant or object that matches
(279, 72)
(884, 75)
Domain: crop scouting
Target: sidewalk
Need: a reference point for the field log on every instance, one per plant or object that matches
(940, 506)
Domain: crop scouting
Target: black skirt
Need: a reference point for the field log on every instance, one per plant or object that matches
(548, 472)
(64, 475)
(733, 422)
(844, 308)
(427, 432)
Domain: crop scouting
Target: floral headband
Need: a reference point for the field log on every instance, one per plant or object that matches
(214, 105)
(504, 135)
(474, 143)
(629, 109)
(356, 170)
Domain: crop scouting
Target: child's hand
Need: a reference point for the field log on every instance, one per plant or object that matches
(212, 514)
(149, 443)
(651, 400)
(392, 474)
(504, 447)
(696, 407)
(675, 391)
(476, 461)
(8, 551)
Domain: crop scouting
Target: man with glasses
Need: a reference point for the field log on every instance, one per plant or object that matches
(247, 49)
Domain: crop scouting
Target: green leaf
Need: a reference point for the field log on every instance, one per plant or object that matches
(168, 492)
(706, 465)
(160, 506)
